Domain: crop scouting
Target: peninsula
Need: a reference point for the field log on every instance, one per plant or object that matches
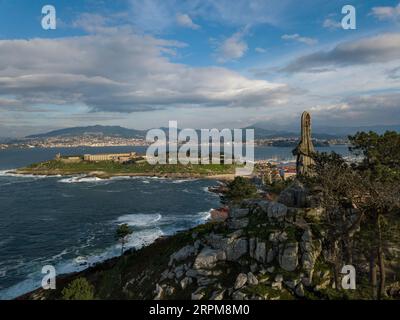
(125, 164)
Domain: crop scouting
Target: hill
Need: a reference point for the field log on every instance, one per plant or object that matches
(109, 131)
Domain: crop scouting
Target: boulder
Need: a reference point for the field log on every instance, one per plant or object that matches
(270, 255)
(198, 294)
(208, 258)
(252, 279)
(260, 251)
(288, 259)
(237, 213)
(295, 195)
(240, 281)
(252, 247)
(277, 211)
(236, 249)
(235, 224)
(159, 292)
(239, 295)
(185, 282)
(182, 254)
(217, 295)
(299, 291)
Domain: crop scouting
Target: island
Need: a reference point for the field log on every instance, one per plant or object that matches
(104, 166)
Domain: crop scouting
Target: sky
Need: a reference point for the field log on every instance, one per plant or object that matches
(203, 63)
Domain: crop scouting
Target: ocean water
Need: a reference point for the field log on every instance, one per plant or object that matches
(54, 220)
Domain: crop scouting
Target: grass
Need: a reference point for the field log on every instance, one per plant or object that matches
(110, 167)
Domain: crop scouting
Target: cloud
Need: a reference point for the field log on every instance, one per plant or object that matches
(298, 38)
(394, 73)
(121, 72)
(260, 50)
(378, 49)
(331, 24)
(160, 15)
(386, 13)
(361, 110)
(185, 21)
(232, 48)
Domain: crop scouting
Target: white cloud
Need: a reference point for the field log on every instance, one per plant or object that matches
(298, 38)
(331, 24)
(377, 49)
(232, 48)
(260, 50)
(121, 72)
(386, 13)
(361, 110)
(185, 21)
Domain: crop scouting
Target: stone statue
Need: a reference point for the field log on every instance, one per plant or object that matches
(305, 148)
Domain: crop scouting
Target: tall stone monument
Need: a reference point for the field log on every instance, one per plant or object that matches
(305, 148)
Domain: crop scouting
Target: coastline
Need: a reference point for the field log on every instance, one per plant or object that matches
(107, 175)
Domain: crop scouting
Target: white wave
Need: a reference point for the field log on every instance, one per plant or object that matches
(137, 240)
(80, 179)
(140, 220)
(10, 173)
(183, 180)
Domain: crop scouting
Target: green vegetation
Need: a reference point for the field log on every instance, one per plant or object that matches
(362, 204)
(240, 188)
(122, 234)
(113, 168)
(79, 289)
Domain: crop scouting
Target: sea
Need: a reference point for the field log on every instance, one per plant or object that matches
(69, 222)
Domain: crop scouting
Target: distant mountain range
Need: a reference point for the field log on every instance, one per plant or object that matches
(327, 131)
(108, 131)
(261, 132)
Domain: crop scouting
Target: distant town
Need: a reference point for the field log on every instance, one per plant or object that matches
(103, 136)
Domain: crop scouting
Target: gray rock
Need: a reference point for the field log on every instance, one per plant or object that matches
(291, 284)
(208, 258)
(192, 273)
(236, 249)
(238, 223)
(270, 255)
(198, 294)
(260, 252)
(238, 295)
(164, 275)
(263, 205)
(277, 211)
(169, 290)
(271, 269)
(307, 235)
(159, 292)
(185, 282)
(252, 279)
(205, 281)
(299, 291)
(217, 295)
(252, 247)
(240, 281)
(278, 278)
(294, 196)
(236, 213)
(254, 267)
(182, 254)
(288, 259)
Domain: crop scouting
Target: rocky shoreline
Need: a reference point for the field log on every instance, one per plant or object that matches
(106, 175)
(264, 250)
